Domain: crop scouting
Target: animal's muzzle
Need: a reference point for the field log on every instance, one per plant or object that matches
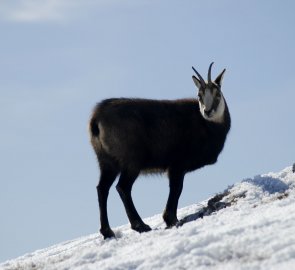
(208, 112)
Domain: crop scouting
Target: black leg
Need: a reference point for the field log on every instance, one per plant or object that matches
(107, 178)
(124, 187)
(175, 184)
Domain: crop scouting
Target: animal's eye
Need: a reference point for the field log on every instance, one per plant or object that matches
(200, 97)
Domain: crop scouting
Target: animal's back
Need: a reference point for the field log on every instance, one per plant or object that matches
(154, 134)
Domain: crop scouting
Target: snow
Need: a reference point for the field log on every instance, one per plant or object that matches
(255, 231)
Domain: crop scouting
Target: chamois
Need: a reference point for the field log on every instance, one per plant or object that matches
(133, 136)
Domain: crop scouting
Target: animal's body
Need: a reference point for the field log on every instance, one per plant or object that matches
(132, 136)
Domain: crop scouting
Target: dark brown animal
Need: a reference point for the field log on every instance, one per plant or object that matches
(131, 136)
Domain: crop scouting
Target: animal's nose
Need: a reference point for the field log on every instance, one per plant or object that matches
(207, 112)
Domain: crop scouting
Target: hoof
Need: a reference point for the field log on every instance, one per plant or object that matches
(173, 224)
(170, 220)
(141, 228)
(107, 233)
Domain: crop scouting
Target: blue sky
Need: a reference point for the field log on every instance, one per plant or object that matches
(58, 58)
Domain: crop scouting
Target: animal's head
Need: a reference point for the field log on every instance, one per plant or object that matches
(211, 101)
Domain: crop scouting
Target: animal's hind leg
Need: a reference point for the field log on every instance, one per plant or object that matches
(107, 177)
(124, 187)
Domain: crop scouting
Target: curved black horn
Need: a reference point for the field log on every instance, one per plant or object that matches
(209, 73)
(200, 78)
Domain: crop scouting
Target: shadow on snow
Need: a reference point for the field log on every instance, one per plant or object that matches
(266, 183)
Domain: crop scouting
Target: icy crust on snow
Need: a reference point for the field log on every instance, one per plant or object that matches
(257, 231)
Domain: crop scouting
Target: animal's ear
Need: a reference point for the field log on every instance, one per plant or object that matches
(197, 82)
(219, 78)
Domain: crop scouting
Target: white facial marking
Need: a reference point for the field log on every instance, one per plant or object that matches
(215, 116)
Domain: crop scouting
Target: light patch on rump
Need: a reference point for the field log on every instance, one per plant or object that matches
(102, 138)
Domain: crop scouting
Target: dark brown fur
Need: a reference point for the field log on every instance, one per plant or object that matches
(131, 136)
(152, 134)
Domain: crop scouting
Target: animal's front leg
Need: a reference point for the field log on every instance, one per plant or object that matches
(175, 184)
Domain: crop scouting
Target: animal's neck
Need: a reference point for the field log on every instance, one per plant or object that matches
(219, 129)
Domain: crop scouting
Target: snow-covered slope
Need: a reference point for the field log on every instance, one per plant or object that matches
(256, 230)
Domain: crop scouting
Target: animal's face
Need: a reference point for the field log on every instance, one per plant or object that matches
(211, 103)
(211, 100)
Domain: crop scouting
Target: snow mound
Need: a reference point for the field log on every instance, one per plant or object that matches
(251, 225)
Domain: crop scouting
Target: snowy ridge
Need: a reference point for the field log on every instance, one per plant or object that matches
(256, 230)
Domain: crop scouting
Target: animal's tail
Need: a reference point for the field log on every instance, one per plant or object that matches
(93, 127)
